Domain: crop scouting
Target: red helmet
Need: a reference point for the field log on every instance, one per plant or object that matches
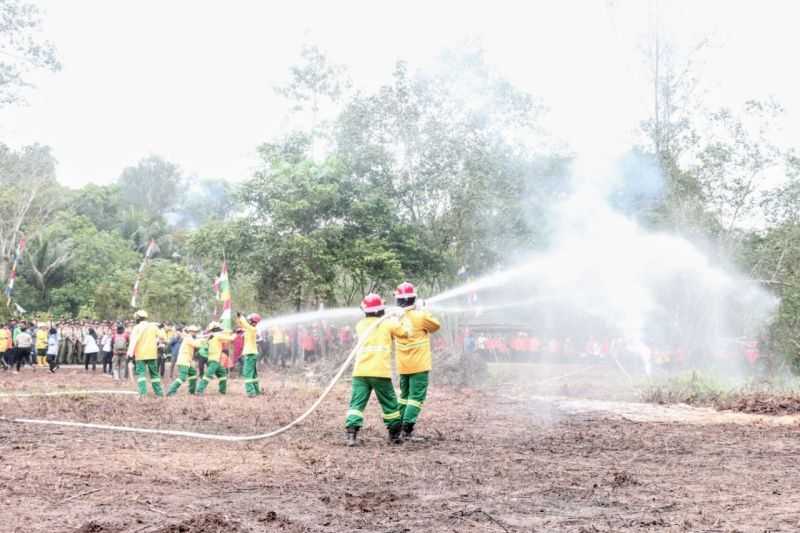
(372, 303)
(254, 318)
(405, 290)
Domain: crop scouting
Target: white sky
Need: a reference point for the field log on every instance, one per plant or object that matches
(192, 80)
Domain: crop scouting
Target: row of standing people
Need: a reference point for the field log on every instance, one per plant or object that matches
(93, 343)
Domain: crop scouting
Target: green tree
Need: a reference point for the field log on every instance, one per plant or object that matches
(206, 201)
(101, 204)
(735, 162)
(298, 206)
(30, 197)
(452, 153)
(153, 186)
(314, 82)
(21, 49)
(166, 291)
(95, 255)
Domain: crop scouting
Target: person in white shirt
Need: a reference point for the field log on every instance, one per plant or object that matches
(24, 342)
(105, 344)
(90, 350)
(53, 342)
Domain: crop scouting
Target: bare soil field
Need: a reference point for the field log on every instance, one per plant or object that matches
(494, 461)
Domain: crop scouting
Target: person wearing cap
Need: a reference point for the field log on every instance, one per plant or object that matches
(143, 347)
(372, 370)
(215, 369)
(119, 347)
(186, 371)
(250, 352)
(414, 360)
(41, 344)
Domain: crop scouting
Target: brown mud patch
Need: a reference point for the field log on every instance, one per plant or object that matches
(492, 463)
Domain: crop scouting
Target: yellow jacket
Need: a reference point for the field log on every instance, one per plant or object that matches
(41, 339)
(215, 344)
(185, 354)
(278, 336)
(5, 339)
(374, 358)
(250, 345)
(414, 352)
(144, 341)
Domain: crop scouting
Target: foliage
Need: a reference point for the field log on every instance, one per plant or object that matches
(153, 186)
(94, 255)
(438, 174)
(21, 51)
(30, 197)
(167, 291)
(206, 201)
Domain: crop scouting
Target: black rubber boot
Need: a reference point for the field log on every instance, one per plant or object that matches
(352, 433)
(408, 430)
(394, 434)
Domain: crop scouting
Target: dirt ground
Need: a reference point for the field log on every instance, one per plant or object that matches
(493, 462)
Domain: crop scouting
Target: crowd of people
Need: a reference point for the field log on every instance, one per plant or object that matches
(525, 346)
(148, 351)
(104, 344)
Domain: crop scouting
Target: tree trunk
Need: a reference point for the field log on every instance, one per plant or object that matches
(5, 269)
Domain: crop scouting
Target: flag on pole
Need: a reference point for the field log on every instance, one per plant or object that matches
(217, 298)
(225, 297)
(151, 247)
(13, 276)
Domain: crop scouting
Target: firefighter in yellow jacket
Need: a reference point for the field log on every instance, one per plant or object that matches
(250, 353)
(373, 370)
(215, 369)
(5, 343)
(414, 361)
(41, 344)
(143, 347)
(186, 371)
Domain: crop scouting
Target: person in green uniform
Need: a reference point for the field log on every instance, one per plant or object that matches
(373, 370)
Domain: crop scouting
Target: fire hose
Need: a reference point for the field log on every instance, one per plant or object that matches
(192, 434)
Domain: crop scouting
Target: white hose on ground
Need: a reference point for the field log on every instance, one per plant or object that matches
(63, 393)
(210, 436)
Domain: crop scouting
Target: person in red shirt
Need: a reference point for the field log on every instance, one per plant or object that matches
(751, 352)
(502, 348)
(308, 345)
(236, 348)
(345, 337)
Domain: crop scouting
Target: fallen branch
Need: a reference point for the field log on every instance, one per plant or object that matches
(492, 519)
(76, 496)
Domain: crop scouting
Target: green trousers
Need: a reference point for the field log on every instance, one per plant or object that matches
(413, 390)
(214, 370)
(148, 367)
(384, 390)
(251, 387)
(185, 373)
